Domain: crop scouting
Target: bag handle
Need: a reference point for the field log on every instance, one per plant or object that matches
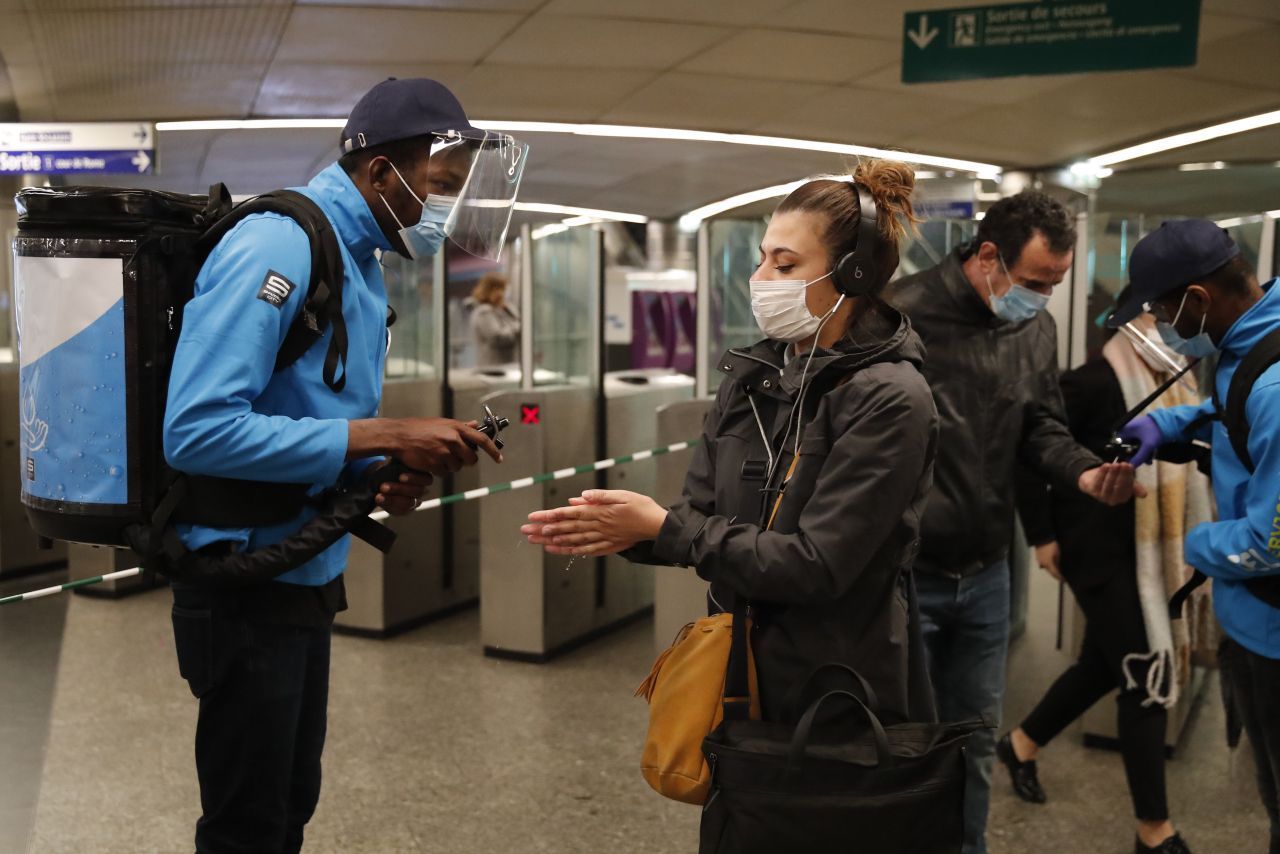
(737, 679)
(800, 740)
(807, 693)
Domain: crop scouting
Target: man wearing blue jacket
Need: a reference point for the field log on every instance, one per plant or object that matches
(258, 658)
(1207, 298)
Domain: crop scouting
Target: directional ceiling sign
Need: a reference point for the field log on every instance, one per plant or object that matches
(1049, 37)
(73, 149)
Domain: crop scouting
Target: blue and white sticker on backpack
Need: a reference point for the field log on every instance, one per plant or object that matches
(70, 318)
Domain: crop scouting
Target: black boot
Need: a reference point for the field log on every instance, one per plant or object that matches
(1026, 784)
(1173, 845)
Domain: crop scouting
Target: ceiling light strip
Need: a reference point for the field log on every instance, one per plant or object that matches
(694, 218)
(619, 131)
(682, 135)
(250, 124)
(589, 213)
(1180, 140)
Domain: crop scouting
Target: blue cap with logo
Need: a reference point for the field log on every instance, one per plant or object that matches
(1176, 254)
(400, 109)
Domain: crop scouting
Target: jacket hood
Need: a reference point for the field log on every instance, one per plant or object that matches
(882, 334)
(1262, 318)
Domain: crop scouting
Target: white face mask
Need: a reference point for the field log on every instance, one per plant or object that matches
(781, 310)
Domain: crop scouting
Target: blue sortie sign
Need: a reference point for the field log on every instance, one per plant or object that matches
(70, 149)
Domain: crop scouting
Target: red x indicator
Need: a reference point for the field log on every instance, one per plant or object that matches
(529, 413)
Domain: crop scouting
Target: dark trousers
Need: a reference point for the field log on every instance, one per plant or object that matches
(264, 694)
(1113, 629)
(1252, 684)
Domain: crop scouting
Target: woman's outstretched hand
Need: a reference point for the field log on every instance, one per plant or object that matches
(599, 522)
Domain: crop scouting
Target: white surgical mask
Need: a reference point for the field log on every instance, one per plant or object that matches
(781, 310)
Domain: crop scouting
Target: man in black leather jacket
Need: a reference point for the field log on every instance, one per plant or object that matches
(992, 364)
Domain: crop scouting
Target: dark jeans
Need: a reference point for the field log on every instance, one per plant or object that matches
(1113, 629)
(966, 630)
(1252, 684)
(264, 694)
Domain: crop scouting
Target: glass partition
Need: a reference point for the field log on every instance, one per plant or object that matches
(733, 253)
(936, 238)
(1246, 231)
(566, 267)
(411, 292)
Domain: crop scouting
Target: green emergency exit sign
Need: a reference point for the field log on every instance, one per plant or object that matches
(1049, 37)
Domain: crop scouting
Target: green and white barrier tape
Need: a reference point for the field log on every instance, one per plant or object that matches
(71, 585)
(559, 474)
(379, 515)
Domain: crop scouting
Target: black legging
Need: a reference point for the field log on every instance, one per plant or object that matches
(1113, 629)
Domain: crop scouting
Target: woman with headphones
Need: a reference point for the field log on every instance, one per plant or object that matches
(806, 491)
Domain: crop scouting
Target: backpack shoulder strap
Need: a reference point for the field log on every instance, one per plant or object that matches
(1234, 416)
(323, 305)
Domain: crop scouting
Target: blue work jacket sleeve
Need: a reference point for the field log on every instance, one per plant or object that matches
(1174, 422)
(231, 332)
(1250, 545)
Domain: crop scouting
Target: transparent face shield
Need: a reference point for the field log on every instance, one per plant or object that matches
(481, 170)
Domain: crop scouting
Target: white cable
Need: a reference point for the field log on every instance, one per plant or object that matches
(763, 435)
(804, 389)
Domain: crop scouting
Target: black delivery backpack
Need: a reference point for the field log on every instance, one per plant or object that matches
(839, 780)
(101, 279)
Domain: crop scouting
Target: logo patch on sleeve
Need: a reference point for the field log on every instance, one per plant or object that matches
(275, 289)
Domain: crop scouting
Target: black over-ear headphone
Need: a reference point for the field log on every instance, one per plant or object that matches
(855, 273)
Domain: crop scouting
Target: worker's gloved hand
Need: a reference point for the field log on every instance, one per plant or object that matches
(1143, 432)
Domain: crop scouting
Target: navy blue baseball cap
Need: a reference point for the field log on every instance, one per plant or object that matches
(400, 109)
(1176, 254)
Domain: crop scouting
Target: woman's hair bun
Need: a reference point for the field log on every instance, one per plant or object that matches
(891, 184)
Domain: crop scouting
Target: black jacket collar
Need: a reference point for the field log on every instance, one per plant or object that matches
(881, 335)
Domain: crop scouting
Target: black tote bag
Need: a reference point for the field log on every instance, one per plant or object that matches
(838, 781)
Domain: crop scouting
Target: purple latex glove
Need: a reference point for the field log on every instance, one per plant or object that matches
(1143, 431)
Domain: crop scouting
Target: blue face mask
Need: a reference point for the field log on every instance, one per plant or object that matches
(1196, 347)
(1017, 304)
(425, 237)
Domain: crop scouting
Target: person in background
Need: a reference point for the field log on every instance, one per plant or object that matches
(993, 367)
(495, 327)
(1122, 564)
(1206, 298)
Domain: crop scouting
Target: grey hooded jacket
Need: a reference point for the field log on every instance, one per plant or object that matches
(828, 582)
(996, 387)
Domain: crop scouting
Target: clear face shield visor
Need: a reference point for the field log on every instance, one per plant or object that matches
(478, 173)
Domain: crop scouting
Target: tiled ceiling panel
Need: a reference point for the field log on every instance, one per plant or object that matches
(329, 89)
(148, 61)
(568, 42)
(1249, 58)
(1267, 10)
(520, 92)
(823, 69)
(467, 5)
(871, 19)
(705, 101)
(806, 57)
(731, 12)
(333, 34)
(865, 116)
